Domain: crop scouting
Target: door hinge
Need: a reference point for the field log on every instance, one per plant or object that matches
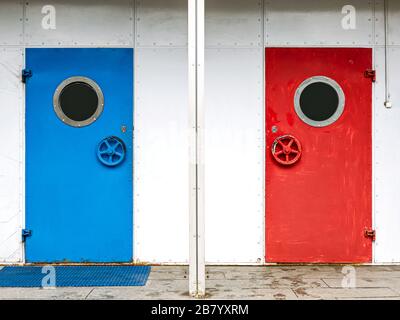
(371, 234)
(25, 234)
(371, 74)
(26, 73)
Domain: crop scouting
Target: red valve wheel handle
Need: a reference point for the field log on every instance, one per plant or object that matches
(286, 150)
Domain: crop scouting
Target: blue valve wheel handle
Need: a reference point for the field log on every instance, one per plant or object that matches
(111, 151)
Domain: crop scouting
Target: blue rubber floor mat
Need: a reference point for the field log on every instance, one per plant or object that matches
(74, 276)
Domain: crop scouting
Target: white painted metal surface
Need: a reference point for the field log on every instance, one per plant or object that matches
(234, 132)
(234, 23)
(161, 218)
(317, 23)
(379, 23)
(393, 7)
(161, 200)
(79, 23)
(11, 155)
(161, 23)
(11, 27)
(234, 151)
(387, 159)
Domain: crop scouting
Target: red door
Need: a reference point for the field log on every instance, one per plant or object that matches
(318, 161)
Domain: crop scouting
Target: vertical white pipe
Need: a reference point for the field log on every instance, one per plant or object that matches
(388, 103)
(196, 105)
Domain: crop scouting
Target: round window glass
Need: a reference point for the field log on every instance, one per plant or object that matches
(78, 101)
(319, 101)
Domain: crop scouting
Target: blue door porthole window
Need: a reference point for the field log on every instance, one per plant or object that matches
(111, 151)
(78, 101)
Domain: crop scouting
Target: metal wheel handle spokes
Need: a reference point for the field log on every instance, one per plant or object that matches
(286, 150)
(111, 151)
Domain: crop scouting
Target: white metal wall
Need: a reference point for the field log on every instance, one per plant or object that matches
(11, 153)
(237, 32)
(234, 134)
(317, 23)
(387, 132)
(161, 133)
(11, 131)
(83, 23)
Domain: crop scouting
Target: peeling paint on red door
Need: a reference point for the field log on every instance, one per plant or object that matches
(317, 210)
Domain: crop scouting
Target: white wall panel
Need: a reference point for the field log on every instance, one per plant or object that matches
(11, 142)
(379, 23)
(387, 159)
(394, 22)
(316, 23)
(161, 156)
(161, 23)
(81, 23)
(234, 156)
(11, 30)
(234, 23)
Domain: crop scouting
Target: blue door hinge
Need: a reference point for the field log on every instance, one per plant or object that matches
(25, 234)
(26, 73)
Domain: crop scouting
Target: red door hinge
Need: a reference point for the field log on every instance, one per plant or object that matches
(371, 234)
(370, 74)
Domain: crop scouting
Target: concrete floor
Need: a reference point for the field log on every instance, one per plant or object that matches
(275, 282)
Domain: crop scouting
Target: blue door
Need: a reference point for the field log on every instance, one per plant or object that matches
(79, 110)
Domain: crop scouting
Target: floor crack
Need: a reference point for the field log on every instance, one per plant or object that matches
(89, 293)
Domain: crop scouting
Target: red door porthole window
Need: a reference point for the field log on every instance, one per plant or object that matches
(319, 101)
